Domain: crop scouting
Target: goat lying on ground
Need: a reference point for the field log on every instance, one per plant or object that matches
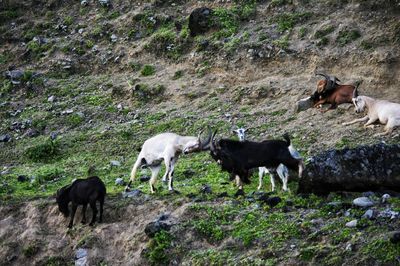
(384, 111)
(167, 147)
(329, 91)
(82, 192)
(239, 157)
(282, 170)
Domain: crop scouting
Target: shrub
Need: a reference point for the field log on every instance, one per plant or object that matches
(148, 70)
(157, 250)
(324, 31)
(347, 36)
(287, 21)
(43, 152)
(145, 93)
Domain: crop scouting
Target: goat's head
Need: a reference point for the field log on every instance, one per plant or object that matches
(359, 103)
(215, 149)
(62, 200)
(198, 144)
(241, 133)
(327, 84)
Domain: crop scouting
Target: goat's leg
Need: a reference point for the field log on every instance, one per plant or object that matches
(71, 221)
(171, 174)
(238, 182)
(333, 106)
(167, 161)
(101, 210)
(261, 171)
(154, 172)
(84, 213)
(283, 175)
(133, 172)
(94, 209)
(271, 175)
(370, 122)
(365, 118)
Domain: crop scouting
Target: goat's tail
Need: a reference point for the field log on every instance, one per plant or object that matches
(286, 137)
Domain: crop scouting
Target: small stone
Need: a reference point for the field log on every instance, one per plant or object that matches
(5, 138)
(119, 182)
(144, 178)
(363, 202)
(349, 247)
(395, 237)
(292, 246)
(22, 178)
(113, 38)
(51, 99)
(84, 3)
(352, 223)
(80, 253)
(155, 227)
(303, 104)
(369, 214)
(105, 3)
(80, 31)
(115, 163)
(385, 198)
(132, 194)
(206, 189)
(119, 106)
(67, 112)
(53, 135)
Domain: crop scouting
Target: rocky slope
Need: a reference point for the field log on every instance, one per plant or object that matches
(84, 83)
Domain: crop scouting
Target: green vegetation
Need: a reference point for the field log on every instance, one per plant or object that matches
(145, 93)
(382, 250)
(157, 252)
(324, 31)
(148, 70)
(283, 42)
(7, 15)
(347, 36)
(43, 152)
(177, 75)
(287, 21)
(30, 250)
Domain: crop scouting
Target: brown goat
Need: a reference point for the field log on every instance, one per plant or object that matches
(329, 91)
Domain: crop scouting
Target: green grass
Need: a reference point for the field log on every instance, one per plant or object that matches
(324, 31)
(347, 36)
(286, 21)
(157, 252)
(148, 70)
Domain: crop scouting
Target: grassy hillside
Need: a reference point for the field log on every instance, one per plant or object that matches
(96, 81)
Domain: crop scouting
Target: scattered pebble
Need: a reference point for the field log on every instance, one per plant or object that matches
(119, 182)
(363, 202)
(352, 223)
(115, 163)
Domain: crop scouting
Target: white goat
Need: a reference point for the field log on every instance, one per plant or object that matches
(165, 147)
(386, 112)
(282, 170)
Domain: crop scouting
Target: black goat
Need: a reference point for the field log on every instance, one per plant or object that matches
(82, 192)
(238, 157)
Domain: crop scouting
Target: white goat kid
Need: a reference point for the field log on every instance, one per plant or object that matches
(282, 170)
(165, 147)
(386, 112)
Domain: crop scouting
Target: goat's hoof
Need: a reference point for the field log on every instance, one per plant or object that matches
(127, 189)
(240, 192)
(83, 222)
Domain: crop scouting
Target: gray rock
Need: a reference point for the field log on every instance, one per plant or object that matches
(31, 132)
(80, 253)
(352, 223)
(119, 182)
(115, 163)
(67, 112)
(385, 198)
(303, 104)
(105, 3)
(53, 135)
(132, 194)
(82, 262)
(388, 213)
(51, 99)
(206, 189)
(363, 202)
(5, 138)
(84, 2)
(369, 214)
(155, 227)
(395, 237)
(114, 38)
(15, 76)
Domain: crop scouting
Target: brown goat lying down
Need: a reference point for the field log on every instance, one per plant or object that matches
(82, 192)
(329, 91)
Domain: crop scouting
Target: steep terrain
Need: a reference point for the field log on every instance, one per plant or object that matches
(91, 81)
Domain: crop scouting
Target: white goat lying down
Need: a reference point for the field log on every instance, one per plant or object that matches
(386, 112)
(166, 147)
(282, 170)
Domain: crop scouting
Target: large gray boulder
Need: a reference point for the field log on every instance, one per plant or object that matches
(365, 168)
